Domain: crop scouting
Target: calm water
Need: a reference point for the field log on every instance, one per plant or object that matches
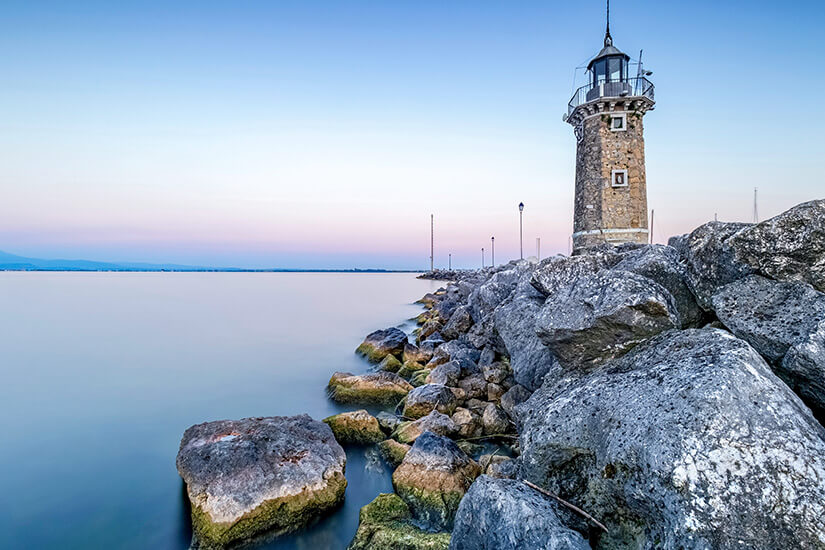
(102, 373)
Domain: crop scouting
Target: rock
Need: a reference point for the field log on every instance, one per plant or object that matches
(494, 392)
(470, 449)
(515, 323)
(489, 295)
(419, 378)
(390, 364)
(244, 477)
(433, 478)
(459, 323)
(498, 514)
(388, 421)
(710, 262)
(476, 405)
(468, 423)
(559, 271)
(489, 459)
(661, 264)
(408, 368)
(376, 387)
(428, 397)
(446, 374)
(393, 451)
(358, 427)
(487, 357)
(774, 317)
(429, 329)
(689, 441)
(385, 523)
(788, 247)
(602, 316)
(514, 396)
(436, 422)
(458, 350)
(417, 354)
(381, 343)
(495, 373)
(507, 469)
(495, 420)
(474, 385)
(771, 316)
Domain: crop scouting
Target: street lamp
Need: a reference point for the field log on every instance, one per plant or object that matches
(493, 251)
(482, 258)
(520, 230)
(450, 261)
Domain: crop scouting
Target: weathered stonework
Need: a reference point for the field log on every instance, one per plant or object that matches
(604, 213)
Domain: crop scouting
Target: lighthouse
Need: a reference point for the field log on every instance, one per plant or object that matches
(607, 118)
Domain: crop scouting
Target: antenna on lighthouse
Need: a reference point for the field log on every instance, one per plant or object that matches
(608, 40)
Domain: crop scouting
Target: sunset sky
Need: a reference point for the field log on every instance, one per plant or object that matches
(323, 134)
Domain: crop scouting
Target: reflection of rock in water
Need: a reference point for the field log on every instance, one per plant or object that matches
(373, 463)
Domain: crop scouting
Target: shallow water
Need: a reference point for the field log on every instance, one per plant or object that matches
(102, 373)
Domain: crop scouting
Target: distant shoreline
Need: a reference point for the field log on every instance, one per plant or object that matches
(206, 270)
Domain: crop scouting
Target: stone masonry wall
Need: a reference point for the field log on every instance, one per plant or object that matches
(599, 205)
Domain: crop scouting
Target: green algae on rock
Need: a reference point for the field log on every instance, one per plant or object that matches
(384, 388)
(381, 343)
(384, 523)
(393, 451)
(255, 475)
(390, 364)
(358, 427)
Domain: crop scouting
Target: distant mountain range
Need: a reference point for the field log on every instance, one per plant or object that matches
(11, 262)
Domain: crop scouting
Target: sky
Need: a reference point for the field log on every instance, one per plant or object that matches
(323, 134)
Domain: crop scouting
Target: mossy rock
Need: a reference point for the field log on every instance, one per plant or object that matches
(390, 364)
(276, 516)
(419, 377)
(423, 317)
(393, 451)
(357, 427)
(409, 368)
(435, 508)
(381, 388)
(372, 353)
(384, 524)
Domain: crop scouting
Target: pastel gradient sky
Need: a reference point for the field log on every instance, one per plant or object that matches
(323, 134)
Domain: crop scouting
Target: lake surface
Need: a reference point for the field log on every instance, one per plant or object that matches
(102, 373)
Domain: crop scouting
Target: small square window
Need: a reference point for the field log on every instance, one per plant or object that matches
(618, 123)
(619, 178)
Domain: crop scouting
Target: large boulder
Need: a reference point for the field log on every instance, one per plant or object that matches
(558, 271)
(498, 514)
(689, 442)
(515, 323)
(381, 343)
(358, 427)
(709, 261)
(393, 452)
(516, 395)
(433, 478)
(447, 374)
(788, 247)
(436, 422)
(598, 317)
(775, 317)
(387, 523)
(385, 388)
(661, 264)
(459, 323)
(424, 399)
(489, 295)
(244, 477)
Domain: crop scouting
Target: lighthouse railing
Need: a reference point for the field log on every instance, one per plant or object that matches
(628, 87)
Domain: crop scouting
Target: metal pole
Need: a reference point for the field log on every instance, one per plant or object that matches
(652, 213)
(450, 261)
(482, 258)
(715, 217)
(521, 230)
(755, 211)
(538, 248)
(493, 251)
(432, 241)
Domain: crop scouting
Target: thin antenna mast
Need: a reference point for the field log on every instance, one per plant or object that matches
(608, 40)
(652, 213)
(432, 241)
(755, 209)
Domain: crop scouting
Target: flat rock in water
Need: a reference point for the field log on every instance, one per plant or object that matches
(436, 422)
(689, 441)
(386, 524)
(377, 345)
(498, 514)
(246, 477)
(424, 399)
(384, 388)
(433, 478)
(602, 316)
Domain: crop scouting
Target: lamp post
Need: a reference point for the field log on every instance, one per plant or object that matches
(450, 261)
(520, 230)
(493, 251)
(538, 248)
(482, 258)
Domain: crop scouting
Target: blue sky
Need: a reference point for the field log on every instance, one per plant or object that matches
(323, 134)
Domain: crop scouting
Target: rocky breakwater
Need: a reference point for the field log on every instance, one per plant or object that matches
(246, 477)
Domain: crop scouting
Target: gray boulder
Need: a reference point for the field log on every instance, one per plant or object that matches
(559, 271)
(446, 374)
(436, 422)
(377, 345)
(803, 368)
(661, 264)
(687, 442)
(429, 397)
(488, 296)
(459, 323)
(495, 421)
(498, 514)
(788, 247)
(244, 477)
(516, 395)
(602, 316)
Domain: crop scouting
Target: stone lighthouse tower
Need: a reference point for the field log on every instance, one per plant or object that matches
(606, 114)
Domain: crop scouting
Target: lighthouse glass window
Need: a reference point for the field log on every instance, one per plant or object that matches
(618, 123)
(619, 178)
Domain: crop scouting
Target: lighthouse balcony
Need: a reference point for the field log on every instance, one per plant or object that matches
(621, 89)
